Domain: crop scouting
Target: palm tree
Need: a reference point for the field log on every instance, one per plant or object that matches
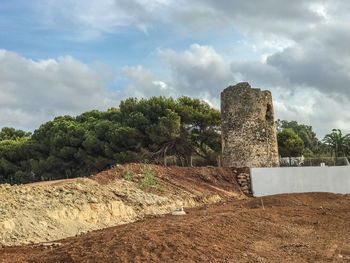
(338, 142)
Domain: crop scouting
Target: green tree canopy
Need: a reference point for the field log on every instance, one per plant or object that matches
(138, 130)
(289, 143)
(8, 133)
(305, 133)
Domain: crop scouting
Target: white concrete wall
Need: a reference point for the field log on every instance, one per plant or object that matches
(280, 180)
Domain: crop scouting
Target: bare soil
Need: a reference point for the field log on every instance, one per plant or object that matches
(311, 227)
(47, 211)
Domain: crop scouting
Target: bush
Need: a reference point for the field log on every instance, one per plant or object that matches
(149, 179)
(128, 175)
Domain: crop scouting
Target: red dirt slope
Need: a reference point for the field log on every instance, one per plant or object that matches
(195, 180)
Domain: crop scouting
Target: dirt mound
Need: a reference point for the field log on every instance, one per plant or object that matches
(290, 228)
(195, 180)
(48, 211)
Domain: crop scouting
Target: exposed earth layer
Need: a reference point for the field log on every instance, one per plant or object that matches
(311, 227)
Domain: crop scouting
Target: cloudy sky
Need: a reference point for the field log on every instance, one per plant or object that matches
(67, 56)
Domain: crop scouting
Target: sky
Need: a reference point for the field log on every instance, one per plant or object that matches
(61, 57)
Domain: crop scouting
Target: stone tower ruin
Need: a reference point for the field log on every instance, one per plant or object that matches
(248, 128)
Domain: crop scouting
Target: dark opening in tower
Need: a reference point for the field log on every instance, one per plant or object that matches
(269, 113)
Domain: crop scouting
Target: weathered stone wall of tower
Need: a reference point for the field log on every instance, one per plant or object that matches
(248, 129)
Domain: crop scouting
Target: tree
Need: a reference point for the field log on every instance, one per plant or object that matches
(139, 129)
(337, 142)
(201, 127)
(192, 126)
(304, 132)
(15, 156)
(289, 143)
(8, 133)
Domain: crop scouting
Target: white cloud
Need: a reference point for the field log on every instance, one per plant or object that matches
(199, 71)
(35, 91)
(143, 83)
(309, 106)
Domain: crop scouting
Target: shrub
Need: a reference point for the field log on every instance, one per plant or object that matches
(127, 175)
(149, 179)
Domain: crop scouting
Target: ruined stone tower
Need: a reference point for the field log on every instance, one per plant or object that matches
(248, 128)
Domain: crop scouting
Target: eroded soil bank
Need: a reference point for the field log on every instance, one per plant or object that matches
(48, 211)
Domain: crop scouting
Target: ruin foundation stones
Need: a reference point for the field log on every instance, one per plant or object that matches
(248, 129)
